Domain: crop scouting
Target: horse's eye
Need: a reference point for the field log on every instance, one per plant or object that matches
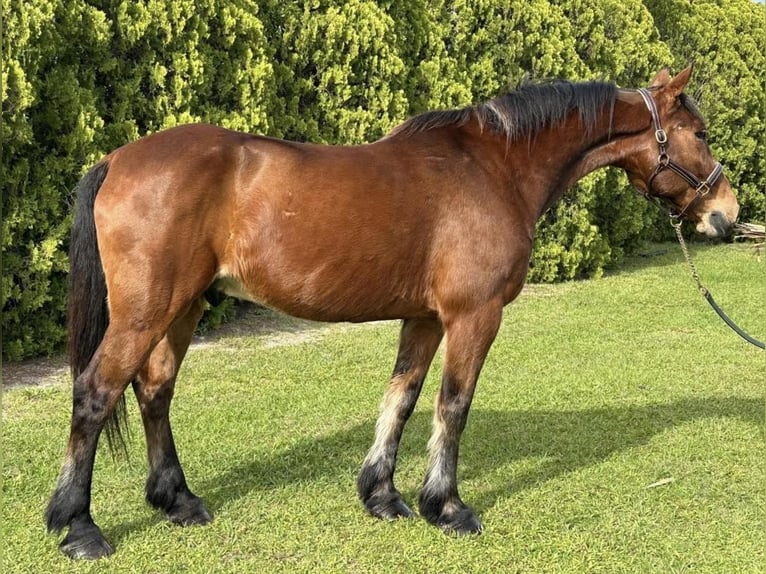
(702, 134)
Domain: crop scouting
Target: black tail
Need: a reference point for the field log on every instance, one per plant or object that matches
(87, 313)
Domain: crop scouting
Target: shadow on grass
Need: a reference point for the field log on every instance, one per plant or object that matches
(252, 320)
(656, 255)
(567, 440)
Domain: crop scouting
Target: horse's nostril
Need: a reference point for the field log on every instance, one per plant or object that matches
(720, 223)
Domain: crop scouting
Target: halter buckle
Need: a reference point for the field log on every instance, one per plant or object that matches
(703, 188)
(661, 136)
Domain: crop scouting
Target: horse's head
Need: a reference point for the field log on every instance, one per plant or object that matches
(674, 162)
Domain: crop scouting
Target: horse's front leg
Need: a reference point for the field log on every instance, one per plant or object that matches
(469, 337)
(418, 342)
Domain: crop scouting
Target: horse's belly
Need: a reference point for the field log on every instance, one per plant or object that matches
(329, 294)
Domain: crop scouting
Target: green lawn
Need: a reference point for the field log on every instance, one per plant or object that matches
(593, 391)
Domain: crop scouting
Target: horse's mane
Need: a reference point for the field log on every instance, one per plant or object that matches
(524, 111)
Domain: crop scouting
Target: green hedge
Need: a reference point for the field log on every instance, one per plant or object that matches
(80, 78)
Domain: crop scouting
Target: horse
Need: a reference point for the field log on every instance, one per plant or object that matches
(432, 224)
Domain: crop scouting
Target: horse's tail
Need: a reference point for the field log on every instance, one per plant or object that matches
(87, 312)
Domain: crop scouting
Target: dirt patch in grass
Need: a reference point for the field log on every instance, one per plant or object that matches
(43, 372)
(273, 329)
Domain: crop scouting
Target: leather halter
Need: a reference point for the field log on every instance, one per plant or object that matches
(664, 162)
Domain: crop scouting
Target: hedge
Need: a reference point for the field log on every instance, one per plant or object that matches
(80, 78)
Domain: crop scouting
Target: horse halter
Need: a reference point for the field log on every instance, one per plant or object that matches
(664, 162)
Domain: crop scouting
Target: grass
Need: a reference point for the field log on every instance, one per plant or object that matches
(593, 391)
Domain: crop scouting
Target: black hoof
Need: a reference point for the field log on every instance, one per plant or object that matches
(189, 513)
(85, 543)
(461, 522)
(388, 506)
(451, 515)
(376, 490)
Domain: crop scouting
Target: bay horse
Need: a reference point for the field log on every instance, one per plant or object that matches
(433, 224)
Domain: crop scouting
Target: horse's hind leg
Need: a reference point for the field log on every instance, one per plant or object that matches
(95, 394)
(418, 342)
(166, 487)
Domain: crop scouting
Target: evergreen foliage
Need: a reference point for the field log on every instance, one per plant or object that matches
(83, 77)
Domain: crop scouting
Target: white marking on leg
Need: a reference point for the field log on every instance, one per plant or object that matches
(67, 472)
(437, 476)
(387, 425)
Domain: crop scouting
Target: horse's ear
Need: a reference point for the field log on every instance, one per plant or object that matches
(677, 84)
(661, 79)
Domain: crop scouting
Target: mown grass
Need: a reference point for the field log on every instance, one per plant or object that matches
(593, 391)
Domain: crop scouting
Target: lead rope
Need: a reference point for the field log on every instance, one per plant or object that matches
(676, 224)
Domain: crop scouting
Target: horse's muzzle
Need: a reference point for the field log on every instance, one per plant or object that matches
(719, 214)
(716, 224)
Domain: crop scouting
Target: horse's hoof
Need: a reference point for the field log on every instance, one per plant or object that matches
(192, 513)
(451, 515)
(87, 544)
(461, 522)
(388, 506)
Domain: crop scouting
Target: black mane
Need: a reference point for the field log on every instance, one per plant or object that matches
(524, 111)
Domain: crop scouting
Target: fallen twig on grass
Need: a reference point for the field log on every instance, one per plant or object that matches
(751, 231)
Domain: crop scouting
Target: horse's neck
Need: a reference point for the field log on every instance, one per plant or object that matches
(629, 118)
(563, 155)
